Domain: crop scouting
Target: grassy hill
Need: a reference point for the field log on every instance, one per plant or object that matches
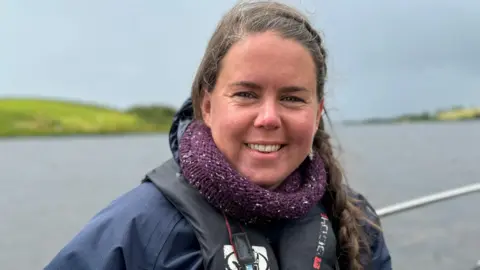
(28, 117)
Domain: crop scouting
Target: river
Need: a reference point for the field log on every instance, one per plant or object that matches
(50, 187)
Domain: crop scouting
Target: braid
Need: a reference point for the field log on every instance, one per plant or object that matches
(340, 207)
(346, 216)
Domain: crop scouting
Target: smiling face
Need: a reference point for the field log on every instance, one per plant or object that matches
(264, 111)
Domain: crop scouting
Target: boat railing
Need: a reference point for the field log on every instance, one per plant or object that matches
(427, 200)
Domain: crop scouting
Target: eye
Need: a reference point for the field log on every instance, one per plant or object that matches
(245, 94)
(292, 99)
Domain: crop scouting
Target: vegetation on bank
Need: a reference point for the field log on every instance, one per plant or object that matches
(32, 117)
(456, 113)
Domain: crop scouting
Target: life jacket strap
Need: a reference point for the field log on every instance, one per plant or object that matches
(241, 246)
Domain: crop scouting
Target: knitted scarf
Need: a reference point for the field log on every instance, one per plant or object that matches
(206, 168)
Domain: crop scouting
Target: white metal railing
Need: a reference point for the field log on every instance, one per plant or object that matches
(429, 199)
(426, 200)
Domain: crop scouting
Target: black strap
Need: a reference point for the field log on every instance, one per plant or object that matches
(241, 245)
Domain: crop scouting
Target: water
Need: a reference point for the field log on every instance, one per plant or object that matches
(50, 187)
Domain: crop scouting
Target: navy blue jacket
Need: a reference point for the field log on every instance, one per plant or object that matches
(142, 230)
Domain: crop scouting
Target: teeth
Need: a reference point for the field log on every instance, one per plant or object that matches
(265, 148)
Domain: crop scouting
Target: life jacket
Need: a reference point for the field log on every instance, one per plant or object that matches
(305, 243)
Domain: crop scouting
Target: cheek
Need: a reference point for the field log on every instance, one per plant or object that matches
(226, 118)
(228, 126)
(303, 127)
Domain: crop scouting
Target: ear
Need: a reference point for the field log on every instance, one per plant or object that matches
(319, 113)
(206, 107)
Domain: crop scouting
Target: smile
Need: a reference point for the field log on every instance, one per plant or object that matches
(265, 148)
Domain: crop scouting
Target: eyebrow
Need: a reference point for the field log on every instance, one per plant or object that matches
(254, 86)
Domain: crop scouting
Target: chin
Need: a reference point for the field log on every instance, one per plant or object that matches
(268, 177)
(267, 182)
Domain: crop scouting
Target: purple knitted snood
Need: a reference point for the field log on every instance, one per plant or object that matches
(207, 169)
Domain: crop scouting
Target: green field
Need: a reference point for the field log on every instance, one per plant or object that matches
(33, 117)
(459, 114)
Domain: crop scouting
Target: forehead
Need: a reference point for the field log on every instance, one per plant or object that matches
(269, 58)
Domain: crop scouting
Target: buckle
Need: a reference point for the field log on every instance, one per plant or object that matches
(244, 250)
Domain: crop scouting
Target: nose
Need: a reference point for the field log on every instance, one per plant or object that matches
(268, 116)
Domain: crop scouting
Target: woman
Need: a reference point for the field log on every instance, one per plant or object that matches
(253, 183)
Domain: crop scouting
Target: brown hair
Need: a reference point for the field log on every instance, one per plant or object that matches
(261, 16)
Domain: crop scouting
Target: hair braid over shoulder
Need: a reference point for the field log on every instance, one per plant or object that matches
(341, 207)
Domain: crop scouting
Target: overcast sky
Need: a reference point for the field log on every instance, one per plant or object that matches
(386, 57)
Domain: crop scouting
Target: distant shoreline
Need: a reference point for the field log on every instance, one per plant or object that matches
(83, 135)
(31, 117)
(456, 114)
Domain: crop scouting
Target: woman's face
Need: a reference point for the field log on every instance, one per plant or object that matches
(263, 111)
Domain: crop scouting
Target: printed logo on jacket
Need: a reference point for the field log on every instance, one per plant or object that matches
(231, 262)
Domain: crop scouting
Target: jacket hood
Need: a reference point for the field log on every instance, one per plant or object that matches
(182, 118)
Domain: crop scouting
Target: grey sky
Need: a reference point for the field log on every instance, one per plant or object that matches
(386, 57)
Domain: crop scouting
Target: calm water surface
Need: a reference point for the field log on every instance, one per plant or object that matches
(50, 187)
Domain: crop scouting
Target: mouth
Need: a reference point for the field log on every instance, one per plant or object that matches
(265, 148)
